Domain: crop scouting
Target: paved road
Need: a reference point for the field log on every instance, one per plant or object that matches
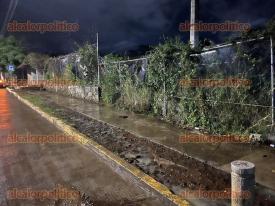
(44, 166)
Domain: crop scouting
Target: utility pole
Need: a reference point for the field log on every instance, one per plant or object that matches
(97, 54)
(194, 17)
(272, 80)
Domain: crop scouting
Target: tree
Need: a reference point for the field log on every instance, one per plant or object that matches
(271, 27)
(266, 31)
(11, 52)
(36, 60)
(167, 64)
(88, 59)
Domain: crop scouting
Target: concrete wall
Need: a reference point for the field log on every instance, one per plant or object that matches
(89, 93)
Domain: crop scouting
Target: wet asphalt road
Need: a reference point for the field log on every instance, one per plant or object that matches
(44, 166)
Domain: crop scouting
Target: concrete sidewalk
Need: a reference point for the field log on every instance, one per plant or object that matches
(219, 155)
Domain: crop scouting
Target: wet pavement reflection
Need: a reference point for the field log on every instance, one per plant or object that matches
(44, 166)
(5, 118)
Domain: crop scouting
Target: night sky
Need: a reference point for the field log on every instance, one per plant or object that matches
(125, 25)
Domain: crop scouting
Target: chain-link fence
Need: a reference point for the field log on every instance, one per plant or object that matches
(123, 82)
(227, 89)
(229, 92)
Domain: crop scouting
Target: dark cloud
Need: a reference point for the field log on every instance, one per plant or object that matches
(127, 24)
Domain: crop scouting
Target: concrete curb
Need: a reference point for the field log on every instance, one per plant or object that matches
(139, 177)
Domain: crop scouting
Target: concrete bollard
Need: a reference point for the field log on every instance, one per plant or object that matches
(242, 183)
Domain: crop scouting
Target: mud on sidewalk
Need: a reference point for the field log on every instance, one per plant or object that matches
(173, 169)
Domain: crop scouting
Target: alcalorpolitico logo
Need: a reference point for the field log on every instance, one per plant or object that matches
(56, 26)
(44, 139)
(58, 193)
(227, 26)
(215, 195)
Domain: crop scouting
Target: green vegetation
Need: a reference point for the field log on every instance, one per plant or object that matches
(265, 31)
(168, 63)
(68, 74)
(11, 52)
(88, 59)
(52, 66)
(217, 110)
(36, 60)
(122, 88)
(110, 80)
(38, 101)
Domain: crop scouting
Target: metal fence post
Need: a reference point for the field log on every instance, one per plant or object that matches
(97, 54)
(164, 109)
(272, 81)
